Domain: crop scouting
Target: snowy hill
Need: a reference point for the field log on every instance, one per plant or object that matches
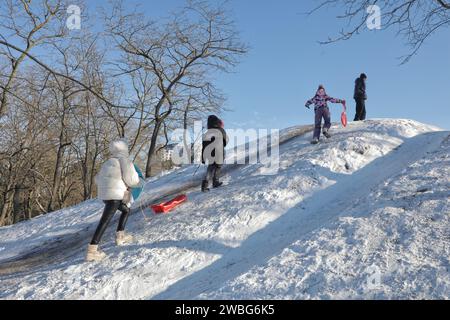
(363, 215)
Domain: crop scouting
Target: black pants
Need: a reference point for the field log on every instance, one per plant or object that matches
(213, 173)
(111, 206)
(360, 110)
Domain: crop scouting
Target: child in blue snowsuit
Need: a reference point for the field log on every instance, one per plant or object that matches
(322, 111)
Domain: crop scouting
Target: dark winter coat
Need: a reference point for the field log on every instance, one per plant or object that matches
(214, 123)
(360, 89)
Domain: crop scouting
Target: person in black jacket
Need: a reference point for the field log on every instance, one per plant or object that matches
(213, 151)
(360, 97)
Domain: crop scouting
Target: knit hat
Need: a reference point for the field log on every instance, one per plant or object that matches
(320, 87)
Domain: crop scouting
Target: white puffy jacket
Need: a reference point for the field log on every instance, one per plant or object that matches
(117, 174)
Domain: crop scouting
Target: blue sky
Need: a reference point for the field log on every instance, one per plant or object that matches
(285, 64)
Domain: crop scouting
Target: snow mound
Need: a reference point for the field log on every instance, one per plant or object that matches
(392, 244)
(333, 213)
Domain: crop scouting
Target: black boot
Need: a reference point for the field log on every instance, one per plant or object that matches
(326, 134)
(205, 186)
(217, 184)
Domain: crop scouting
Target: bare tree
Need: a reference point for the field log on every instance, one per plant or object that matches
(31, 25)
(24, 144)
(64, 97)
(416, 20)
(178, 53)
(63, 92)
(91, 133)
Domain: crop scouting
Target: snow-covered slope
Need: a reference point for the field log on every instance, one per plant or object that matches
(363, 215)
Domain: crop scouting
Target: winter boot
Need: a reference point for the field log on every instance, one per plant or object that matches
(326, 134)
(94, 254)
(122, 238)
(205, 186)
(315, 141)
(217, 184)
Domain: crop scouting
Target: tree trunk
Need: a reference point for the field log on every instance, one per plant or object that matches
(59, 157)
(187, 146)
(17, 204)
(85, 170)
(151, 150)
(6, 210)
(12, 75)
(92, 178)
(56, 179)
(28, 205)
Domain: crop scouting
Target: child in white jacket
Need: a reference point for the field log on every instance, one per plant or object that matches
(116, 177)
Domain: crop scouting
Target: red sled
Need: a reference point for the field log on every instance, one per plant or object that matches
(344, 119)
(169, 205)
(344, 116)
